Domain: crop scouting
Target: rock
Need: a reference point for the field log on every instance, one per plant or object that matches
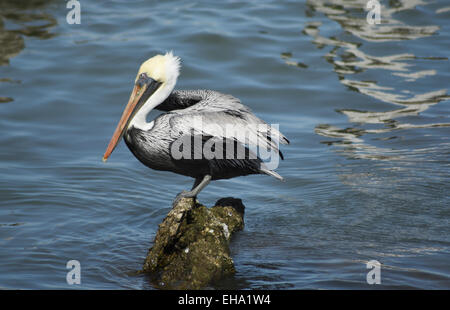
(191, 247)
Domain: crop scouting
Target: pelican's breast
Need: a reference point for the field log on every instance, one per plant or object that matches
(151, 146)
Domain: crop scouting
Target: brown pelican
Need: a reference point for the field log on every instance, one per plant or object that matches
(152, 142)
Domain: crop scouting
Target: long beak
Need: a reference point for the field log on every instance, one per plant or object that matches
(142, 90)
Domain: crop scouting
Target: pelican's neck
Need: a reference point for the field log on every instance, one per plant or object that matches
(140, 119)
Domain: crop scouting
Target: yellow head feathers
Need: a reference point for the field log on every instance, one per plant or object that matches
(161, 68)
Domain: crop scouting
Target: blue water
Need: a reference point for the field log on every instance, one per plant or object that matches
(366, 109)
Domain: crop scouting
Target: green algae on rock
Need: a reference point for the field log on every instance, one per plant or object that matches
(191, 247)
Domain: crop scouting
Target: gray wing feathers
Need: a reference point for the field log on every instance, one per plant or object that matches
(221, 115)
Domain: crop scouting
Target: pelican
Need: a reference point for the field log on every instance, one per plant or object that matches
(153, 142)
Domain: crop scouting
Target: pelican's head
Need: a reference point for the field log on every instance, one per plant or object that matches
(154, 82)
(161, 68)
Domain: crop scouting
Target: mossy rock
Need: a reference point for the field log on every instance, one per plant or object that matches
(191, 247)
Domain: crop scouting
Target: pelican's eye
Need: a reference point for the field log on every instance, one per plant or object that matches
(143, 79)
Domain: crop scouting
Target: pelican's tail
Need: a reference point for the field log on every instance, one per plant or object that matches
(272, 173)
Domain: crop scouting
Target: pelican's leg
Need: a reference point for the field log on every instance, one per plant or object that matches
(199, 184)
(196, 183)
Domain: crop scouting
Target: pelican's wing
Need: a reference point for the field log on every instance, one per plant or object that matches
(181, 99)
(223, 116)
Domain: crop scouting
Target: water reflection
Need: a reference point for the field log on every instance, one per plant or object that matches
(349, 57)
(352, 17)
(287, 57)
(24, 18)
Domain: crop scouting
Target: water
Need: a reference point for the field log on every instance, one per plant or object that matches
(365, 108)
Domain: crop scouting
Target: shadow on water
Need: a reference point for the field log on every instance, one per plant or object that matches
(353, 64)
(18, 19)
